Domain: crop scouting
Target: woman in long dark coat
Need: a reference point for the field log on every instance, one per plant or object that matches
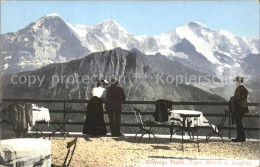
(94, 123)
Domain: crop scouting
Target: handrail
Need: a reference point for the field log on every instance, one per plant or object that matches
(65, 101)
(149, 113)
(220, 103)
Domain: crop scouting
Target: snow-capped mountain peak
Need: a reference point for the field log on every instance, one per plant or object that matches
(110, 26)
(197, 24)
(51, 39)
(52, 15)
(48, 20)
(199, 36)
(109, 22)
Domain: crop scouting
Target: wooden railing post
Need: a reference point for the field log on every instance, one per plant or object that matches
(229, 118)
(64, 110)
(229, 124)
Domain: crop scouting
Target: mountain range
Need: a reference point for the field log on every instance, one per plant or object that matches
(51, 39)
(139, 71)
(191, 49)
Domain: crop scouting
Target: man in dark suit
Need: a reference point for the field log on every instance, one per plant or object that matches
(240, 108)
(115, 97)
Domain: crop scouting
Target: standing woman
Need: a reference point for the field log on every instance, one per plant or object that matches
(94, 123)
(240, 108)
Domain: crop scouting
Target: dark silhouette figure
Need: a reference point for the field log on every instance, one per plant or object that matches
(94, 123)
(240, 108)
(115, 97)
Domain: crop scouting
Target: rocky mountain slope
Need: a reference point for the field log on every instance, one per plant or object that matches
(138, 74)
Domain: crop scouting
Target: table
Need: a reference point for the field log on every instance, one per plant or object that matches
(39, 114)
(176, 115)
(175, 120)
(25, 152)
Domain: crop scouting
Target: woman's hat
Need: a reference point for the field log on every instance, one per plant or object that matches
(114, 81)
(239, 78)
(103, 81)
(106, 82)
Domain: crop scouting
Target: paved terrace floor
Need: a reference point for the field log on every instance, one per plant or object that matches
(125, 151)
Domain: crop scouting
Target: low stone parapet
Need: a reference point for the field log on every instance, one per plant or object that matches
(25, 152)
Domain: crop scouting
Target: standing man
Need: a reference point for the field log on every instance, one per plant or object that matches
(240, 108)
(115, 97)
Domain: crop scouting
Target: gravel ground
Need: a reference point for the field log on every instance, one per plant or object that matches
(125, 151)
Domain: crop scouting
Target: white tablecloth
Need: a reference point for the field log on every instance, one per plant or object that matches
(40, 114)
(202, 121)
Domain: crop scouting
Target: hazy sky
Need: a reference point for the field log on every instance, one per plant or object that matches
(151, 18)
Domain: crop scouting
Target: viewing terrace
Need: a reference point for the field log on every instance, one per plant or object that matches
(126, 151)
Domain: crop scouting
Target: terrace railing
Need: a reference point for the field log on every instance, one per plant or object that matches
(65, 102)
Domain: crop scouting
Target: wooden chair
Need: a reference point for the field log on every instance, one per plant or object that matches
(145, 127)
(70, 153)
(217, 129)
(172, 127)
(60, 126)
(189, 128)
